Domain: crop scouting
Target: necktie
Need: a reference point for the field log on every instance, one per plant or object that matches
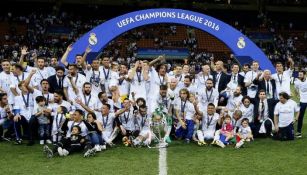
(60, 83)
(262, 110)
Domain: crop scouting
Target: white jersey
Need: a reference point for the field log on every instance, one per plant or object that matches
(285, 112)
(205, 97)
(40, 75)
(25, 104)
(301, 87)
(54, 106)
(200, 80)
(245, 132)
(95, 78)
(138, 86)
(107, 121)
(208, 122)
(79, 80)
(283, 81)
(90, 101)
(5, 83)
(57, 123)
(127, 120)
(70, 124)
(248, 112)
(250, 77)
(233, 102)
(143, 122)
(49, 97)
(185, 108)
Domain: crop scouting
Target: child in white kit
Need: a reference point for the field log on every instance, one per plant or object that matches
(244, 133)
(58, 120)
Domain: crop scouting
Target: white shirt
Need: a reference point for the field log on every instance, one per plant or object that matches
(250, 77)
(285, 112)
(49, 97)
(124, 86)
(234, 102)
(70, 124)
(301, 87)
(205, 97)
(40, 75)
(54, 106)
(248, 112)
(127, 120)
(20, 103)
(245, 131)
(107, 121)
(79, 80)
(95, 78)
(283, 81)
(89, 101)
(143, 123)
(200, 80)
(138, 86)
(5, 83)
(186, 109)
(208, 122)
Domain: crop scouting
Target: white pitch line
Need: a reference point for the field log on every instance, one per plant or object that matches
(162, 161)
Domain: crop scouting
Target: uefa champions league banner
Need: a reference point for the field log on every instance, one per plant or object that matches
(100, 36)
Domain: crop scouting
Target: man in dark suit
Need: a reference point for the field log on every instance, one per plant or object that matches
(220, 78)
(267, 84)
(56, 81)
(263, 114)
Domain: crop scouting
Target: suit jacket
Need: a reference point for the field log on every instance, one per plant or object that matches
(240, 83)
(271, 106)
(262, 85)
(54, 84)
(224, 79)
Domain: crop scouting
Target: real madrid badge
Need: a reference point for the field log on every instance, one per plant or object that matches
(241, 43)
(92, 39)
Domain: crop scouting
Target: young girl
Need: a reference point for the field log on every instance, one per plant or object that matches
(227, 129)
(244, 134)
(57, 123)
(95, 128)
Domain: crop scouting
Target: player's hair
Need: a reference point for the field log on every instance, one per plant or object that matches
(285, 95)
(2, 95)
(40, 99)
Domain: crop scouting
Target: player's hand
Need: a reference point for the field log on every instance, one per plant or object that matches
(17, 118)
(24, 51)
(88, 49)
(69, 48)
(183, 124)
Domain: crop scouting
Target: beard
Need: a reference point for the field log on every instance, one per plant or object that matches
(87, 92)
(209, 88)
(236, 94)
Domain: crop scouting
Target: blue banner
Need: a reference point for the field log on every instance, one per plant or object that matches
(101, 35)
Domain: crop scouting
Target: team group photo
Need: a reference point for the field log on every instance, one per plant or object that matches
(153, 87)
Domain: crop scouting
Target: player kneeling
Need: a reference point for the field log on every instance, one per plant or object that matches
(142, 122)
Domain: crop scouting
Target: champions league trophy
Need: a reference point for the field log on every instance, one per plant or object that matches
(160, 125)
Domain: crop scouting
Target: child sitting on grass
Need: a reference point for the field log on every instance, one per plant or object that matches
(70, 145)
(244, 134)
